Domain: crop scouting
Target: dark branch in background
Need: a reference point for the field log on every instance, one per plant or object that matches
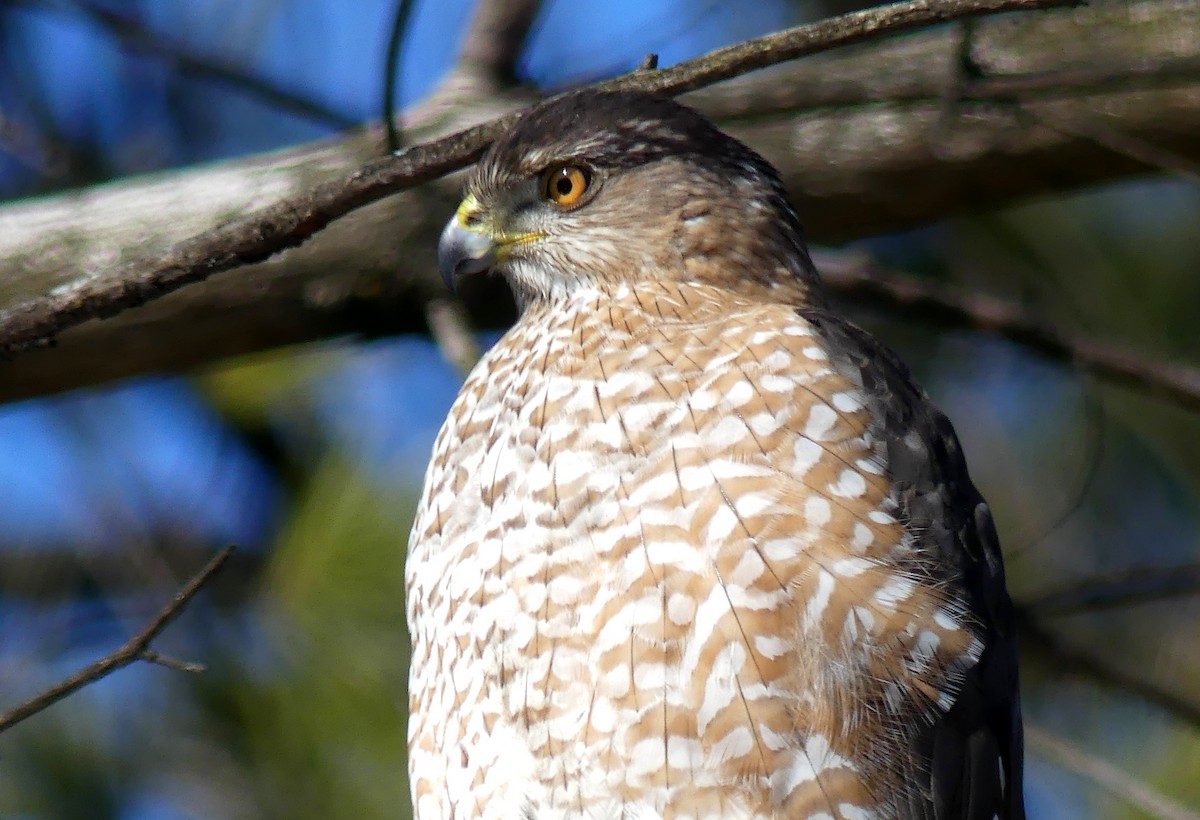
(1065, 659)
(1157, 73)
(496, 39)
(263, 233)
(1137, 585)
(1124, 144)
(1066, 82)
(494, 42)
(854, 277)
(138, 38)
(391, 73)
(25, 145)
(973, 73)
(136, 648)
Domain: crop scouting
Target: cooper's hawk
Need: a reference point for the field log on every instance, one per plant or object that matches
(691, 545)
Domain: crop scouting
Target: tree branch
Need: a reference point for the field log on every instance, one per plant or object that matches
(391, 69)
(156, 44)
(267, 231)
(853, 171)
(880, 139)
(495, 40)
(1104, 774)
(1065, 659)
(486, 66)
(136, 648)
(742, 102)
(1137, 585)
(857, 279)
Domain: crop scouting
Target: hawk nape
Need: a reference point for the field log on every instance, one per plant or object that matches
(690, 545)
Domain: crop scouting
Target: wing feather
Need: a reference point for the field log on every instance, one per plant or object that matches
(969, 760)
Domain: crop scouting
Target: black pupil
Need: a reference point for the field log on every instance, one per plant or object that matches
(564, 185)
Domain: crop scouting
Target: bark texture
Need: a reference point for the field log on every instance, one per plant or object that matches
(871, 138)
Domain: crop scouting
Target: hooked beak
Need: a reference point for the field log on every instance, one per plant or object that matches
(464, 249)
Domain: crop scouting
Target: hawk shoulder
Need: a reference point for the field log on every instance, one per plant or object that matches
(973, 751)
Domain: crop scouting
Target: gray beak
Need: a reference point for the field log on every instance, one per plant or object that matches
(463, 250)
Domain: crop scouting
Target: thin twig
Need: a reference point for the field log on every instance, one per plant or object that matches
(1137, 585)
(139, 38)
(856, 278)
(263, 233)
(150, 656)
(1104, 774)
(136, 648)
(391, 73)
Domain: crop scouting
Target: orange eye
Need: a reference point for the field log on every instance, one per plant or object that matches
(565, 184)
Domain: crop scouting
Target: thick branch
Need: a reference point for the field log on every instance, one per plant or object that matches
(856, 169)
(135, 649)
(496, 38)
(880, 140)
(270, 230)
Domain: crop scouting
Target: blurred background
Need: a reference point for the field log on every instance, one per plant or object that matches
(310, 458)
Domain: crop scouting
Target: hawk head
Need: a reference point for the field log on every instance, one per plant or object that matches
(600, 188)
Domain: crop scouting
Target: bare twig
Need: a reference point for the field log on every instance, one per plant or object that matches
(54, 574)
(823, 35)
(391, 73)
(135, 649)
(139, 38)
(1065, 659)
(1104, 774)
(1110, 590)
(267, 231)
(649, 62)
(856, 278)
(150, 656)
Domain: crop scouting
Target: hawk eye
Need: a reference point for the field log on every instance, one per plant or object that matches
(565, 184)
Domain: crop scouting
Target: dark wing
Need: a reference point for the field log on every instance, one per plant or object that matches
(972, 755)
